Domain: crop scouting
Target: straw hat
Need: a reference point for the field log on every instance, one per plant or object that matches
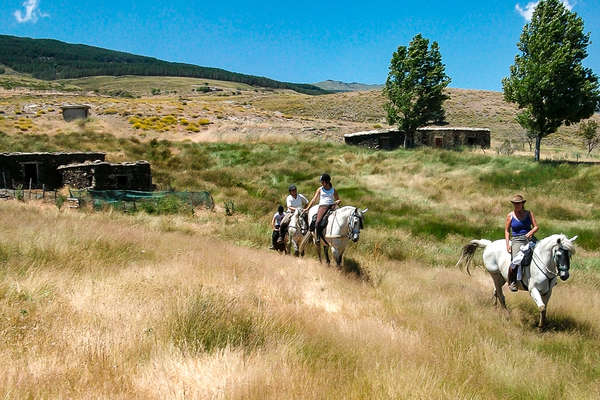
(517, 198)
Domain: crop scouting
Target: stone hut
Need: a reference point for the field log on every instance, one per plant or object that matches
(41, 169)
(377, 139)
(108, 176)
(450, 137)
(75, 111)
(435, 136)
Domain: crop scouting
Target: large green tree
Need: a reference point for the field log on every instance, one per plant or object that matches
(415, 87)
(548, 81)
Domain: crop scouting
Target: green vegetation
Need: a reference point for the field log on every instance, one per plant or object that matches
(548, 80)
(51, 59)
(588, 130)
(416, 87)
(433, 197)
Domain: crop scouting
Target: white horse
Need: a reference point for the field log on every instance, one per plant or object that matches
(551, 259)
(296, 231)
(343, 225)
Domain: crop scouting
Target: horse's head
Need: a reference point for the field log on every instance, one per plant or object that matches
(561, 255)
(302, 220)
(356, 223)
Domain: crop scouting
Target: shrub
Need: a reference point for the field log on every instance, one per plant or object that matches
(155, 91)
(211, 322)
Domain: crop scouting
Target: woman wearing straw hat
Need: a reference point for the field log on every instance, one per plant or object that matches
(522, 226)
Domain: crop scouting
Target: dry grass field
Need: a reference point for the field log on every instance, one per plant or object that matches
(115, 305)
(112, 306)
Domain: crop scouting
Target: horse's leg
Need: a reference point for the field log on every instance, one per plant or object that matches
(319, 251)
(337, 256)
(545, 299)
(498, 293)
(537, 297)
(326, 251)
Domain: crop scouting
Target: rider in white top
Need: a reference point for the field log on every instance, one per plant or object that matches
(293, 202)
(327, 197)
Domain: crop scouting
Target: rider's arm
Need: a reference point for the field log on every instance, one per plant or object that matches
(288, 203)
(336, 197)
(506, 233)
(535, 226)
(273, 223)
(314, 199)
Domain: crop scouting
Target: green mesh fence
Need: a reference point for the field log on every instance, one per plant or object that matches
(151, 202)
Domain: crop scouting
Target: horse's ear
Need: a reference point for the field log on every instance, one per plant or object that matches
(366, 209)
(558, 241)
(573, 238)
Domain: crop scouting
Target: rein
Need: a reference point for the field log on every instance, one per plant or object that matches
(545, 270)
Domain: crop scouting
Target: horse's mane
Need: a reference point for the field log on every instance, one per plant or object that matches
(564, 241)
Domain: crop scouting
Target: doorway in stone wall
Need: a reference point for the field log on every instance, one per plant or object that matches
(438, 141)
(31, 171)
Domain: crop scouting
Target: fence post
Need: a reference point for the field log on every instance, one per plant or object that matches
(30, 179)
(4, 179)
(43, 191)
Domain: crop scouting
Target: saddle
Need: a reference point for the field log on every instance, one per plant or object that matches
(522, 261)
(324, 220)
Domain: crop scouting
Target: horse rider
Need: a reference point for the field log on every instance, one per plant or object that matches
(522, 226)
(276, 224)
(327, 198)
(293, 202)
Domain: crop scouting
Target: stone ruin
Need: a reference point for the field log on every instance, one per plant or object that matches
(75, 111)
(39, 169)
(434, 136)
(101, 175)
(81, 170)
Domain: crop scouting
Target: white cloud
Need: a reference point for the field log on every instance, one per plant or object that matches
(32, 12)
(527, 12)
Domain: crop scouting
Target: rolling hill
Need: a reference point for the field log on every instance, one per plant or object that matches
(338, 86)
(52, 59)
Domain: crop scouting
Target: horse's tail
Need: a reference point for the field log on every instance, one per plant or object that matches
(468, 252)
(305, 241)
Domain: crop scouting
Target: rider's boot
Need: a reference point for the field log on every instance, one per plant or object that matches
(512, 283)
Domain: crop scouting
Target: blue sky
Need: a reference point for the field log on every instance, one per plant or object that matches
(297, 41)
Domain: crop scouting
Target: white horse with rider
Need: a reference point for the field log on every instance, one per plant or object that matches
(343, 225)
(551, 260)
(297, 228)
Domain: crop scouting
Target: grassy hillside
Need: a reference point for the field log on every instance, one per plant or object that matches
(52, 59)
(474, 108)
(114, 305)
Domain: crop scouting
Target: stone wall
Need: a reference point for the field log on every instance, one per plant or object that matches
(39, 168)
(71, 113)
(452, 137)
(378, 139)
(107, 176)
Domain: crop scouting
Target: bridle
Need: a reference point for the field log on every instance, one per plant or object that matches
(560, 259)
(352, 230)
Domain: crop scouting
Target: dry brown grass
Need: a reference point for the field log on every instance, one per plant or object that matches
(106, 306)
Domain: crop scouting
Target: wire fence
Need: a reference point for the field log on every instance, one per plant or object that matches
(160, 202)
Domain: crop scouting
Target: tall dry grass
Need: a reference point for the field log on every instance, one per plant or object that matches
(112, 306)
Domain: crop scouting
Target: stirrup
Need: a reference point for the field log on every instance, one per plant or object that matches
(513, 287)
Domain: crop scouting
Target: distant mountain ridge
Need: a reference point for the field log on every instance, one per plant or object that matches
(50, 59)
(339, 86)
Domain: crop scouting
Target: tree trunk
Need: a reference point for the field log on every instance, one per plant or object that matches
(409, 141)
(538, 142)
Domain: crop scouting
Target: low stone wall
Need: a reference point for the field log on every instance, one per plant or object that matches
(108, 176)
(39, 168)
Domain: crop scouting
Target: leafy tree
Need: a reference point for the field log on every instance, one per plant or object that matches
(415, 87)
(589, 133)
(548, 81)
